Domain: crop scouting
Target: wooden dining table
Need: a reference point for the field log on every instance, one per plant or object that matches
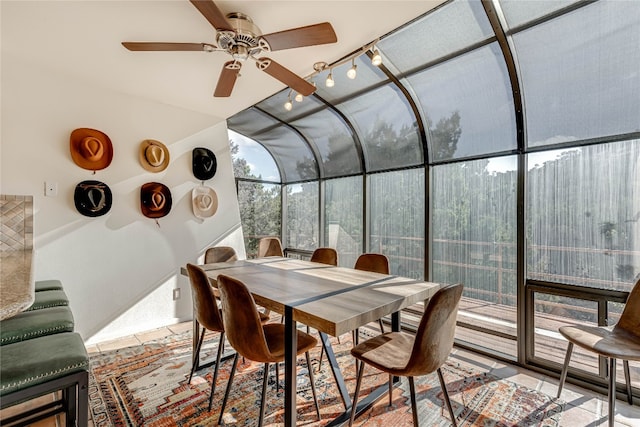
(333, 300)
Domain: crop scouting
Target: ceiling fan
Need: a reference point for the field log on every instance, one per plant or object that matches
(238, 36)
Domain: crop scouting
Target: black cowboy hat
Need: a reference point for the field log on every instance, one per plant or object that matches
(92, 198)
(204, 163)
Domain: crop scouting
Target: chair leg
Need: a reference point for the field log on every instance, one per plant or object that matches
(390, 390)
(215, 371)
(612, 391)
(320, 360)
(226, 393)
(355, 394)
(196, 356)
(381, 326)
(277, 377)
(627, 378)
(565, 368)
(264, 393)
(414, 406)
(313, 384)
(446, 397)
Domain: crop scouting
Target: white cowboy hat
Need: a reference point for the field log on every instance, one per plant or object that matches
(205, 201)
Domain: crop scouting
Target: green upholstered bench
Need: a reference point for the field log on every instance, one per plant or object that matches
(47, 299)
(48, 285)
(37, 323)
(45, 365)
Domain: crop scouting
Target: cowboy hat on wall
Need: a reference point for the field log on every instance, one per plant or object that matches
(204, 201)
(92, 198)
(204, 163)
(91, 149)
(155, 200)
(154, 155)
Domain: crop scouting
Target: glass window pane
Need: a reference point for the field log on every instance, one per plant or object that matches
(579, 73)
(333, 140)
(387, 130)
(583, 207)
(251, 160)
(397, 213)
(292, 153)
(343, 217)
(260, 213)
(468, 105)
(302, 216)
(474, 243)
(553, 311)
(448, 29)
(518, 12)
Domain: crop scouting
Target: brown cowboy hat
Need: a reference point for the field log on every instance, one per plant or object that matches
(154, 155)
(91, 149)
(155, 200)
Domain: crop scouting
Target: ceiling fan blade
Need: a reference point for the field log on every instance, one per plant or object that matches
(167, 46)
(227, 79)
(303, 36)
(214, 15)
(286, 76)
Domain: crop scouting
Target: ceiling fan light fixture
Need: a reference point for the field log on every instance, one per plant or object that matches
(376, 59)
(352, 72)
(330, 82)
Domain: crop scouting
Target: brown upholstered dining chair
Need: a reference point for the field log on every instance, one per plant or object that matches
(403, 354)
(220, 254)
(270, 246)
(325, 256)
(260, 343)
(620, 342)
(206, 311)
(376, 263)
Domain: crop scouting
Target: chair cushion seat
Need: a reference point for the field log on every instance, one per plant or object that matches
(388, 352)
(33, 324)
(274, 335)
(36, 361)
(47, 299)
(48, 285)
(615, 343)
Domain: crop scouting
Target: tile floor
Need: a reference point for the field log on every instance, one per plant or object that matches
(584, 408)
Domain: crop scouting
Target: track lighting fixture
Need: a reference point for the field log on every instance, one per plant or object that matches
(288, 105)
(299, 97)
(351, 73)
(376, 59)
(329, 82)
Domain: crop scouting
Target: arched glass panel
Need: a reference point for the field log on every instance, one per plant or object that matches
(474, 243)
(293, 153)
(333, 140)
(387, 128)
(468, 105)
(518, 12)
(397, 218)
(250, 121)
(343, 218)
(260, 212)
(251, 160)
(302, 227)
(442, 32)
(583, 219)
(579, 73)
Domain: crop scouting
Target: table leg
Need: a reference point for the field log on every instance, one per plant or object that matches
(291, 345)
(335, 368)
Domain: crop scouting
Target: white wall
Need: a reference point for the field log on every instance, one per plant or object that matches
(118, 270)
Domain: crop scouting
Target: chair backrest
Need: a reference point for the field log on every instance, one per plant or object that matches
(325, 256)
(630, 318)
(242, 321)
(376, 263)
(434, 337)
(269, 246)
(220, 254)
(205, 307)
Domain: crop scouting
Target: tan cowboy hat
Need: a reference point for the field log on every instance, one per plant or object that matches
(205, 201)
(154, 155)
(155, 200)
(91, 149)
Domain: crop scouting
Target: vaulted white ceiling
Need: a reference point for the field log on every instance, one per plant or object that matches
(81, 39)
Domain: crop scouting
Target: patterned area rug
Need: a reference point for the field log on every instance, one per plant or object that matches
(147, 385)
